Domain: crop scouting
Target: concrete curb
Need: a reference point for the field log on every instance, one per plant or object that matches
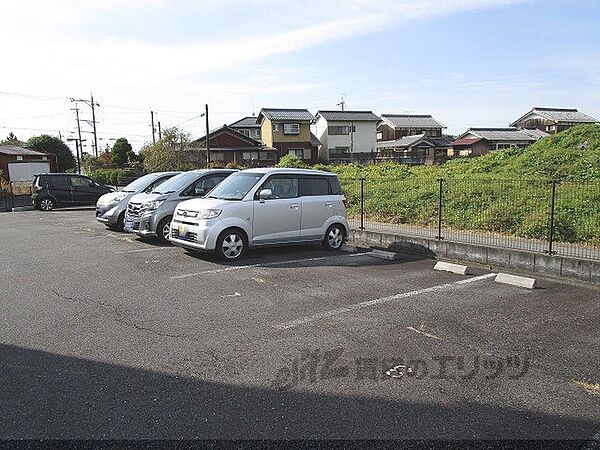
(514, 280)
(454, 268)
(390, 256)
(22, 208)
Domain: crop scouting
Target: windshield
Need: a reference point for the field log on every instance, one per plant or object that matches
(141, 183)
(177, 183)
(236, 186)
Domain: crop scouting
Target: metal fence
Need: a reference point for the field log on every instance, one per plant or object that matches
(542, 216)
(14, 194)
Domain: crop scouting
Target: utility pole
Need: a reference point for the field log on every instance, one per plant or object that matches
(342, 103)
(159, 131)
(94, 124)
(78, 148)
(207, 140)
(153, 129)
(351, 141)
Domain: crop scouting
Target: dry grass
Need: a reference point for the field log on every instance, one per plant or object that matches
(590, 388)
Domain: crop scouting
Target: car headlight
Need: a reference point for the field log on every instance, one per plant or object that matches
(118, 197)
(151, 206)
(209, 213)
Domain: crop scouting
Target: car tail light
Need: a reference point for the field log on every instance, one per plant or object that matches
(345, 200)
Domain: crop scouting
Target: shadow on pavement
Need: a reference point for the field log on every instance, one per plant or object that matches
(52, 396)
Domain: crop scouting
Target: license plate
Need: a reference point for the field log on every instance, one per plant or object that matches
(182, 230)
(128, 225)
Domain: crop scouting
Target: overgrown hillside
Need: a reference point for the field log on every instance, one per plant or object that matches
(573, 155)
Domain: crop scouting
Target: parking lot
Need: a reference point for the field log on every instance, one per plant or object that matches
(107, 336)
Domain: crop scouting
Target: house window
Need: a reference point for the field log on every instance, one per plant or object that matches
(263, 156)
(44, 158)
(248, 156)
(245, 132)
(19, 158)
(338, 151)
(291, 128)
(307, 153)
(338, 130)
(275, 127)
(257, 133)
(299, 152)
(379, 135)
(217, 156)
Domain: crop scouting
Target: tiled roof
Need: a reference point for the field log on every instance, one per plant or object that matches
(535, 133)
(246, 122)
(500, 134)
(411, 121)
(405, 141)
(352, 116)
(284, 114)
(466, 141)
(16, 150)
(314, 141)
(559, 115)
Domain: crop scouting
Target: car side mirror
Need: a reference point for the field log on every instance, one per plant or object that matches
(265, 194)
(199, 190)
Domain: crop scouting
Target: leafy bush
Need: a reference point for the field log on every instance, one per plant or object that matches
(291, 161)
(112, 177)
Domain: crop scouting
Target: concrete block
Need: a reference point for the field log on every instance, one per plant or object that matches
(439, 248)
(549, 265)
(522, 260)
(454, 268)
(466, 252)
(514, 280)
(387, 240)
(498, 257)
(383, 255)
(576, 268)
(22, 208)
(372, 238)
(595, 272)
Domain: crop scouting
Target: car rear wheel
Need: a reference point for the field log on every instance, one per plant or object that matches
(334, 238)
(46, 204)
(164, 229)
(231, 245)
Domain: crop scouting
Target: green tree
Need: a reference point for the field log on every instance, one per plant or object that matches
(172, 152)
(11, 139)
(51, 144)
(292, 161)
(121, 152)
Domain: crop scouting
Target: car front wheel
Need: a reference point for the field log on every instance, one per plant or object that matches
(231, 245)
(46, 204)
(164, 229)
(334, 238)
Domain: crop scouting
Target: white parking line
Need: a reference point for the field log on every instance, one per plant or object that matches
(140, 250)
(268, 264)
(377, 301)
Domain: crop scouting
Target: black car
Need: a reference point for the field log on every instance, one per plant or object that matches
(65, 189)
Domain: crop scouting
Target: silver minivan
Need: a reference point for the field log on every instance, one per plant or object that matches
(149, 215)
(260, 207)
(111, 207)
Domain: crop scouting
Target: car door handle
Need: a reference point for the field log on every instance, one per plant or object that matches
(329, 204)
(294, 206)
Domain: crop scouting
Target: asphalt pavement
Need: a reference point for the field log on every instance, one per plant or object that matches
(108, 336)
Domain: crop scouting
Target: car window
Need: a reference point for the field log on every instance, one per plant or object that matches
(312, 186)
(283, 186)
(81, 182)
(336, 187)
(156, 183)
(57, 182)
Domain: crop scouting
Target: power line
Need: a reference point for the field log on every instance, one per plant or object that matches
(42, 97)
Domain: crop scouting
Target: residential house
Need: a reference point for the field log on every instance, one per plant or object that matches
(415, 149)
(479, 141)
(228, 145)
(396, 126)
(288, 130)
(347, 135)
(248, 127)
(21, 164)
(552, 120)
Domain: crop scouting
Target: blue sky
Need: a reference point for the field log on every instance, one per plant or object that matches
(469, 63)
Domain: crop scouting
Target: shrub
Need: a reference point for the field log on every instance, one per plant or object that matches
(292, 161)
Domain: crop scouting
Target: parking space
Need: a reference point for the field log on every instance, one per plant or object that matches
(105, 335)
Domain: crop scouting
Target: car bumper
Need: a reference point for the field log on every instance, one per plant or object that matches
(144, 225)
(196, 237)
(108, 216)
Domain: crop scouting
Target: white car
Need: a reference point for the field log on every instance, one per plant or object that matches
(260, 207)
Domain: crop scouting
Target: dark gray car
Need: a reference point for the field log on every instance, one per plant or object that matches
(150, 215)
(110, 209)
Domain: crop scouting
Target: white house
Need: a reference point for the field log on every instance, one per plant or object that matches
(346, 135)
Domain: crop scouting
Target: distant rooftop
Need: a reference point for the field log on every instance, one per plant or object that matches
(504, 134)
(246, 122)
(558, 115)
(353, 116)
(411, 121)
(8, 149)
(284, 114)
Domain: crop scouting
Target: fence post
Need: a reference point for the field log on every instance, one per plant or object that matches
(362, 203)
(12, 196)
(550, 251)
(440, 205)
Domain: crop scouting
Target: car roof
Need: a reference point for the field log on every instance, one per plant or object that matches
(211, 170)
(288, 170)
